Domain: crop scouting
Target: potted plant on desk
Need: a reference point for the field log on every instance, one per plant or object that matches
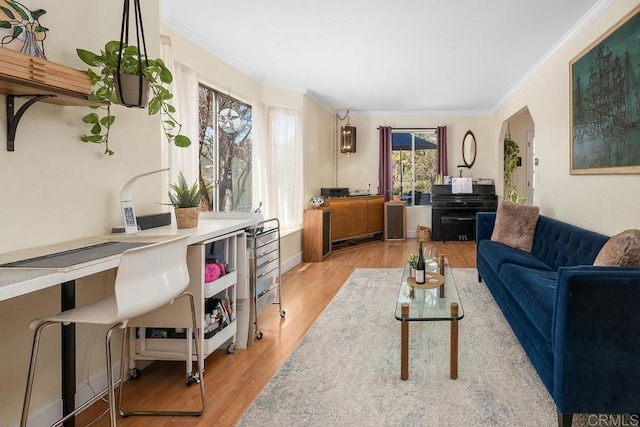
(186, 200)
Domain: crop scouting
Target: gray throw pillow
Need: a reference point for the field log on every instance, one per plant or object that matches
(621, 250)
(515, 225)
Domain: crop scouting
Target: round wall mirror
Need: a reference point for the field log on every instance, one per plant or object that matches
(469, 149)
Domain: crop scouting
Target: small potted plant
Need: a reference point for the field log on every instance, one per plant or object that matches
(106, 90)
(395, 193)
(186, 201)
(413, 264)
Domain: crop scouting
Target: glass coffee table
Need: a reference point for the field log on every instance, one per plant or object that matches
(426, 303)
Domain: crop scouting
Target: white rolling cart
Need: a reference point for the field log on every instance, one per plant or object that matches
(161, 335)
(263, 244)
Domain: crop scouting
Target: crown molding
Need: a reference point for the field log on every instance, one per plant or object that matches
(363, 113)
(587, 19)
(219, 53)
(318, 100)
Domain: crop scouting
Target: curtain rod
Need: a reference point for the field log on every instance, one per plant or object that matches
(410, 129)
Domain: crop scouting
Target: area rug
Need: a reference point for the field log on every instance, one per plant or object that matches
(346, 370)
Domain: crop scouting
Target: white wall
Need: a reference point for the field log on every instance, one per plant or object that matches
(361, 168)
(603, 203)
(56, 188)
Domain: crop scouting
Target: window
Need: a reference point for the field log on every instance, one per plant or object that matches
(225, 126)
(414, 164)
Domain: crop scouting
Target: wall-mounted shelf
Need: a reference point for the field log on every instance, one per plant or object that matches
(25, 76)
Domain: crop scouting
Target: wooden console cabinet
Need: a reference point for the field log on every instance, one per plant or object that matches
(353, 217)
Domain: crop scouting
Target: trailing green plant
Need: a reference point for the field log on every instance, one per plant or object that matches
(511, 151)
(184, 196)
(103, 83)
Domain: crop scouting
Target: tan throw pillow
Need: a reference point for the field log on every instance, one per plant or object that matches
(621, 250)
(515, 225)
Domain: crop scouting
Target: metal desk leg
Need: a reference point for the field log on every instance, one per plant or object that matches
(68, 341)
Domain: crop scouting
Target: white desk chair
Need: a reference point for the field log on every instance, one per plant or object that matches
(148, 277)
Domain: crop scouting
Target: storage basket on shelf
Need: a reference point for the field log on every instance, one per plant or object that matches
(423, 233)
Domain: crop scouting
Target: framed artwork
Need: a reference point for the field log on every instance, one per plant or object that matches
(605, 102)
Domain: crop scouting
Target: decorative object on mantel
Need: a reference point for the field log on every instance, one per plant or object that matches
(186, 200)
(20, 28)
(126, 76)
(317, 201)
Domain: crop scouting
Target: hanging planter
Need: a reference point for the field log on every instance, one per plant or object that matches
(127, 76)
(132, 90)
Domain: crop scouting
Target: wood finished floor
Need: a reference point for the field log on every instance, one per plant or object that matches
(233, 381)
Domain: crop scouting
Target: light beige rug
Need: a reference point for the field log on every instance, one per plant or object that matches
(346, 370)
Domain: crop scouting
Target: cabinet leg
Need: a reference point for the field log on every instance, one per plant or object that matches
(453, 366)
(404, 344)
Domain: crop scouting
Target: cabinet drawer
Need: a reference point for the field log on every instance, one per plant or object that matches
(262, 239)
(266, 299)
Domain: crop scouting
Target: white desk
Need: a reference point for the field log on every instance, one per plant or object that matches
(17, 281)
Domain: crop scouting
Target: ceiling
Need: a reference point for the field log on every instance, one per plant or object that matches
(460, 56)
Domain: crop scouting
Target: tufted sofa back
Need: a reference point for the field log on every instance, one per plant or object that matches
(559, 244)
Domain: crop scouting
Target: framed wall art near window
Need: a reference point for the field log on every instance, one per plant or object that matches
(605, 102)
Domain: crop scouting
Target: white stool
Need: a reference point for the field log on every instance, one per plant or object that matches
(148, 277)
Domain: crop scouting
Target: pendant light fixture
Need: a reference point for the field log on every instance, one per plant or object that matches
(132, 90)
(347, 137)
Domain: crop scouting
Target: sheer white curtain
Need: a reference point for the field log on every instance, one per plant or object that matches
(284, 167)
(185, 99)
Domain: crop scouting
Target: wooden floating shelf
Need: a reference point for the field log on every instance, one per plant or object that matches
(25, 75)
(41, 80)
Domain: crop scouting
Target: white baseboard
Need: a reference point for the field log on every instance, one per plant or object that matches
(291, 262)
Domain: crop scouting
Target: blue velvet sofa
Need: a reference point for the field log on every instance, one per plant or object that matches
(578, 324)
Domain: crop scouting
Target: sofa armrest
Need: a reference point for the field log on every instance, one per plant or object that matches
(596, 339)
(485, 221)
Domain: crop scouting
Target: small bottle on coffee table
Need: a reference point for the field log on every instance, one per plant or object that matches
(420, 268)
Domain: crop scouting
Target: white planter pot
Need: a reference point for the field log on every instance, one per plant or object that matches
(131, 95)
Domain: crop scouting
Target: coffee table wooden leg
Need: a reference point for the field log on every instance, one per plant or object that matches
(453, 363)
(404, 344)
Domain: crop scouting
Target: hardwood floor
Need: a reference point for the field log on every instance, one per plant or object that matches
(233, 381)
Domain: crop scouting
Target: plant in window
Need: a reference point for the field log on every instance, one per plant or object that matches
(106, 90)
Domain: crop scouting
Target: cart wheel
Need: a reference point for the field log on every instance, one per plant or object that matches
(193, 379)
(282, 313)
(259, 335)
(135, 373)
(231, 348)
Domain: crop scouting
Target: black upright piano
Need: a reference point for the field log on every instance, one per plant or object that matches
(453, 216)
